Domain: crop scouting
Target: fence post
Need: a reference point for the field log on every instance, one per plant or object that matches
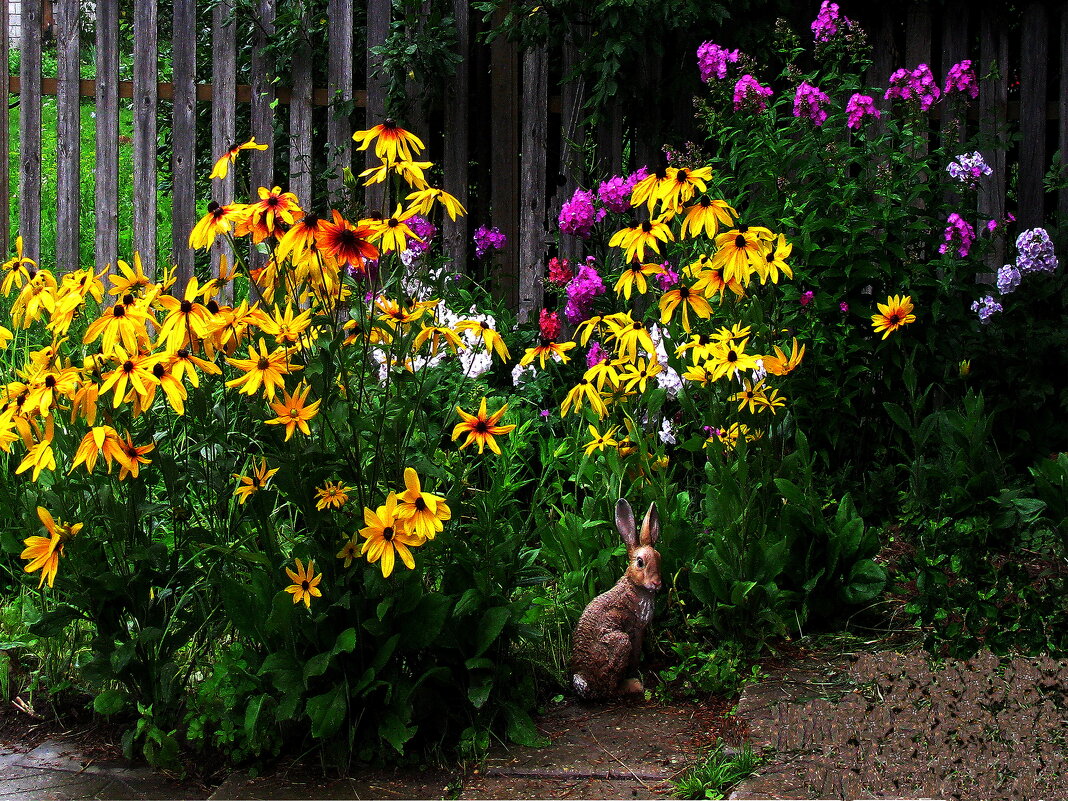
(261, 162)
(300, 126)
(572, 139)
(106, 207)
(223, 112)
(456, 139)
(378, 18)
(993, 113)
(955, 42)
(30, 131)
(145, 96)
(1033, 66)
(504, 164)
(339, 88)
(183, 164)
(535, 99)
(1062, 133)
(68, 138)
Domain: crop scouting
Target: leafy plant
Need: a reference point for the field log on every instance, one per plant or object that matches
(719, 772)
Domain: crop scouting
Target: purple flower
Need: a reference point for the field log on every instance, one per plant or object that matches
(712, 60)
(1035, 252)
(809, 102)
(843, 307)
(991, 225)
(968, 168)
(859, 107)
(807, 297)
(596, 354)
(578, 216)
(487, 238)
(544, 414)
(916, 85)
(584, 287)
(986, 307)
(959, 236)
(615, 192)
(961, 78)
(1008, 279)
(748, 93)
(668, 278)
(422, 228)
(825, 26)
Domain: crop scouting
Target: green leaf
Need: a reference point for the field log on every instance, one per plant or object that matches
(109, 702)
(866, 581)
(396, 731)
(53, 623)
(521, 730)
(791, 492)
(252, 717)
(424, 623)
(489, 628)
(897, 414)
(479, 691)
(327, 711)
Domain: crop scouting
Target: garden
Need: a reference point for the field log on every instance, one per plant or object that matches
(335, 496)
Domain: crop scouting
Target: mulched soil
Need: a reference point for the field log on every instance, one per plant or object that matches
(897, 725)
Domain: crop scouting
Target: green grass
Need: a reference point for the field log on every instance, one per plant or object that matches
(47, 247)
(718, 774)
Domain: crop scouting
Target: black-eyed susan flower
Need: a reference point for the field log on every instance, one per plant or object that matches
(49, 384)
(388, 535)
(771, 401)
(481, 428)
(600, 441)
(39, 457)
(285, 327)
(218, 221)
(92, 445)
(421, 201)
(630, 334)
(133, 372)
(728, 358)
(187, 319)
(302, 235)
(222, 165)
(636, 375)
(392, 143)
(349, 551)
(345, 243)
(895, 313)
(750, 395)
(780, 364)
(129, 456)
(332, 495)
(490, 338)
(604, 370)
(305, 583)
(294, 412)
(647, 190)
(411, 172)
(584, 390)
(129, 280)
(775, 258)
(262, 369)
(173, 390)
(393, 234)
(547, 349)
(183, 361)
(706, 215)
(273, 206)
(43, 553)
(684, 297)
(5, 336)
(634, 276)
(438, 336)
(635, 240)
(251, 484)
(424, 512)
(741, 253)
(680, 184)
(36, 299)
(17, 270)
(119, 324)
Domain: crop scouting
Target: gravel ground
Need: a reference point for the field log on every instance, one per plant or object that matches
(898, 725)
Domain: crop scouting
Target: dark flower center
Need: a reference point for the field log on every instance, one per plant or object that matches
(647, 226)
(183, 353)
(894, 319)
(304, 585)
(739, 242)
(186, 307)
(213, 307)
(684, 292)
(387, 533)
(482, 426)
(50, 381)
(119, 310)
(743, 228)
(128, 366)
(158, 371)
(263, 363)
(420, 504)
(485, 326)
(393, 222)
(732, 356)
(272, 200)
(706, 203)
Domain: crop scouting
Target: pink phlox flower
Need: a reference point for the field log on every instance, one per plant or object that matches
(959, 235)
(712, 60)
(961, 78)
(748, 93)
(809, 102)
(859, 107)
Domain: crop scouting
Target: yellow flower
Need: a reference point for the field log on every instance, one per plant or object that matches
(186, 318)
(779, 364)
(394, 143)
(480, 429)
(687, 298)
(39, 457)
(332, 495)
(751, 395)
(43, 553)
(547, 349)
(585, 389)
(634, 276)
(490, 338)
(222, 166)
(776, 256)
(635, 240)
(16, 272)
(349, 551)
(120, 324)
(895, 313)
(134, 372)
(706, 214)
(681, 185)
(92, 445)
(219, 220)
(730, 357)
(284, 327)
(129, 456)
(423, 511)
(305, 583)
(5, 336)
(129, 281)
(741, 253)
(393, 234)
(387, 535)
(636, 375)
(264, 369)
(601, 441)
(422, 200)
(630, 334)
(248, 485)
(292, 413)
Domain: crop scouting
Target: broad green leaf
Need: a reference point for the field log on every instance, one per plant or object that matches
(327, 711)
(489, 628)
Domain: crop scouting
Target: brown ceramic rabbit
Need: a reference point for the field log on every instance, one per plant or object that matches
(608, 638)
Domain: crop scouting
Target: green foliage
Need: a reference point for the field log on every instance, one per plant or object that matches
(701, 670)
(720, 771)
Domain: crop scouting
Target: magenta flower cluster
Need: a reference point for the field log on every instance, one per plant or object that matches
(487, 239)
(961, 78)
(712, 60)
(422, 228)
(596, 354)
(748, 93)
(578, 215)
(917, 85)
(582, 290)
(615, 192)
(668, 278)
(827, 22)
(809, 103)
(549, 325)
(859, 107)
(959, 236)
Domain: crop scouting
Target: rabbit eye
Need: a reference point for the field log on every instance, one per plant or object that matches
(640, 562)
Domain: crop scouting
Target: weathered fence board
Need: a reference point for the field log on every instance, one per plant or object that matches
(145, 102)
(378, 19)
(30, 132)
(183, 158)
(5, 134)
(106, 209)
(223, 111)
(300, 126)
(1033, 64)
(261, 162)
(993, 113)
(532, 229)
(68, 138)
(572, 141)
(1062, 134)
(457, 153)
(339, 85)
(504, 163)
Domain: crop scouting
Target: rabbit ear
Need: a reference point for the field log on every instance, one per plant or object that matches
(625, 524)
(650, 526)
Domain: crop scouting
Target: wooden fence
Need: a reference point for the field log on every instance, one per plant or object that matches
(509, 126)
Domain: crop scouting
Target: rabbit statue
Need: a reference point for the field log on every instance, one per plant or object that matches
(608, 639)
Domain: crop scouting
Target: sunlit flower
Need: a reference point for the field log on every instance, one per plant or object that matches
(895, 313)
(134, 372)
(630, 334)
(120, 323)
(741, 253)
(251, 484)
(411, 172)
(681, 184)
(17, 270)
(262, 369)
(685, 298)
(305, 583)
(600, 441)
(634, 276)
(129, 280)
(284, 326)
(39, 457)
(437, 335)
(636, 375)
(218, 221)
(387, 536)
(546, 350)
(392, 143)
(750, 395)
(775, 260)
(420, 202)
(222, 165)
(295, 242)
(634, 241)
(92, 445)
(423, 511)
(647, 190)
(393, 235)
(481, 428)
(586, 390)
(184, 361)
(332, 495)
(129, 456)
(492, 340)
(779, 364)
(292, 412)
(730, 357)
(345, 243)
(706, 214)
(349, 551)
(43, 553)
(187, 319)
